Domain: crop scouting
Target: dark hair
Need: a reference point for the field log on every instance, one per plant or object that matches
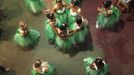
(63, 27)
(37, 63)
(50, 16)
(74, 2)
(99, 63)
(107, 3)
(78, 20)
(58, 1)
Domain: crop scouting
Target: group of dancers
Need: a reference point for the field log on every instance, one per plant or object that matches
(65, 27)
(92, 66)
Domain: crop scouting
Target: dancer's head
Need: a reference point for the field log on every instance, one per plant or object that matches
(78, 20)
(107, 3)
(63, 27)
(37, 63)
(74, 2)
(98, 63)
(22, 24)
(50, 16)
(58, 1)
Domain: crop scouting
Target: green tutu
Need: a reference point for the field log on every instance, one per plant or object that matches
(64, 43)
(50, 71)
(29, 40)
(71, 19)
(50, 34)
(78, 37)
(58, 41)
(108, 22)
(89, 71)
(62, 17)
(81, 35)
(35, 5)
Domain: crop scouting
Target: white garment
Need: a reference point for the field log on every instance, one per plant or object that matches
(21, 31)
(77, 26)
(125, 1)
(76, 13)
(61, 11)
(42, 68)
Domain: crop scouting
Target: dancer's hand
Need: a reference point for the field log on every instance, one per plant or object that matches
(45, 11)
(98, 8)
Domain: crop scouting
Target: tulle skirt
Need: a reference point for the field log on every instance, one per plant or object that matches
(108, 22)
(89, 71)
(29, 40)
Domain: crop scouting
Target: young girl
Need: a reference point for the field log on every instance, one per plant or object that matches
(82, 30)
(73, 12)
(64, 39)
(26, 37)
(51, 23)
(95, 66)
(42, 68)
(108, 15)
(60, 11)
